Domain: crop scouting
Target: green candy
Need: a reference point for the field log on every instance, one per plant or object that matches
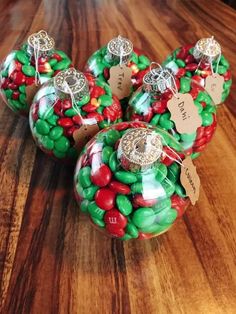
(22, 98)
(195, 155)
(28, 70)
(42, 127)
(47, 142)
(22, 89)
(180, 63)
(52, 62)
(84, 177)
(222, 69)
(56, 132)
(105, 100)
(185, 137)
(143, 217)
(132, 230)
(198, 105)
(137, 187)
(143, 59)
(141, 66)
(89, 192)
(96, 211)
(98, 222)
(166, 217)
(161, 172)
(62, 144)
(22, 57)
(53, 119)
(112, 136)
(185, 84)
(45, 113)
(162, 205)
(59, 154)
(113, 162)
(15, 104)
(207, 118)
(134, 58)
(126, 177)
(180, 190)
(173, 172)
(104, 124)
(169, 187)
(155, 119)
(165, 121)
(62, 65)
(85, 99)
(124, 205)
(106, 154)
(8, 93)
(224, 62)
(84, 206)
(126, 237)
(70, 112)
(155, 228)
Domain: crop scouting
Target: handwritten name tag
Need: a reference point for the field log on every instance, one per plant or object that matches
(184, 113)
(120, 80)
(190, 179)
(215, 86)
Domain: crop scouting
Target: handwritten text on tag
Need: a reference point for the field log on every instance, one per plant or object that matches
(120, 80)
(190, 179)
(214, 86)
(184, 113)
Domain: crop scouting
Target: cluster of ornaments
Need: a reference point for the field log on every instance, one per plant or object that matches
(133, 126)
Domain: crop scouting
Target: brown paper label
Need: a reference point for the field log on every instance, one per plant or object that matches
(190, 179)
(31, 90)
(214, 86)
(120, 80)
(84, 134)
(184, 113)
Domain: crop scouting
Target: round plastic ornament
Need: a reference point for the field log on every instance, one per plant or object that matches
(118, 54)
(25, 69)
(127, 180)
(205, 63)
(68, 110)
(178, 105)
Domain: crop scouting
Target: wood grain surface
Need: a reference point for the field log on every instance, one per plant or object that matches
(51, 258)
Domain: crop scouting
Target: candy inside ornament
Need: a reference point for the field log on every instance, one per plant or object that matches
(25, 69)
(205, 63)
(68, 110)
(128, 180)
(119, 64)
(180, 106)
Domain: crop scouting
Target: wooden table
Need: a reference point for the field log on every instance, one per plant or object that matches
(51, 259)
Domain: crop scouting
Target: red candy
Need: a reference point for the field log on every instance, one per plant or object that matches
(119, 187)
(105, 198)
(102, 176)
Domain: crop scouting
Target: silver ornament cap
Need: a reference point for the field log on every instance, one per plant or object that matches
(71, 81)
(158, 80)
(207, 50)
(42, 42)
(120, 49)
